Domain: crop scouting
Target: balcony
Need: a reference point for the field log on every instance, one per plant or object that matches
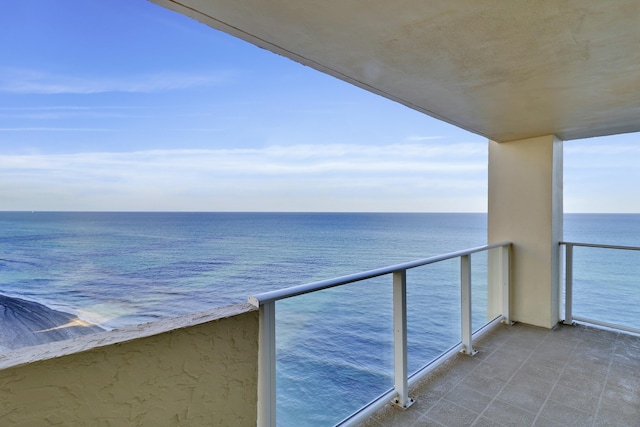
(526, 77)
(218, 368)
(530, 376)
(572, 375)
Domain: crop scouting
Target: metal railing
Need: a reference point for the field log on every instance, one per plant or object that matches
(569, 318)
(399, 395)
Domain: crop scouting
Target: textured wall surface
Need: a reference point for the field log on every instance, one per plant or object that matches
(190, 371)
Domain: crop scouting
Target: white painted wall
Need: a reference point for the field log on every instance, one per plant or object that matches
(525, 207)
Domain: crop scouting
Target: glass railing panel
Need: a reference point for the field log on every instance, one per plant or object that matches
(334, 339)
(606, 285)
(479, 290)
(334, 351)
(433, 311)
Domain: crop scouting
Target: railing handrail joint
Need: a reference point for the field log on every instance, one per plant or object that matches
(293, 291)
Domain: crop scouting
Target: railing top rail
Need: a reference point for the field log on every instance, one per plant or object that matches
(293, 291)
(596, 245)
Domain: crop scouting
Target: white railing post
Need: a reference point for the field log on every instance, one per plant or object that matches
(465, 305)
(505, 279)
(400, 370)
(267, 366)
(568, 293)
(267, 329)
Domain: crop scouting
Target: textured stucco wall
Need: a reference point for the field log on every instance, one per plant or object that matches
(202, 373)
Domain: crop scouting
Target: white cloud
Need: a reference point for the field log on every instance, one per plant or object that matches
(437, 176)
(302, 177)
(65, 112)
(36, 82)
(416, 138)
(48, 129)
(602, 174)
(277, 160)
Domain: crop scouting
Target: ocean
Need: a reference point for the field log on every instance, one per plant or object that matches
(334, 348)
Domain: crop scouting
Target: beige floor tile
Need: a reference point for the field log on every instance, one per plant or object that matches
(528, 376)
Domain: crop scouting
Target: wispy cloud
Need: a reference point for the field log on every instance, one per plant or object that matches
(601, 155)
(48, 129)
(398, 159)
(338, 177)
(602, 149)
(601, 174)
(416, 138)
(66, 108)
(73, 111)
(42, 83)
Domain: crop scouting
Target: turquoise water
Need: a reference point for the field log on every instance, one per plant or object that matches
(126, 268)
(606, 281)
(334, 348)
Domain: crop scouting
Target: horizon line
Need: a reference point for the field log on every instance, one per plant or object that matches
(285, 212)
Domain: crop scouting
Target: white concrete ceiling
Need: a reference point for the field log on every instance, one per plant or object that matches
(505, 69)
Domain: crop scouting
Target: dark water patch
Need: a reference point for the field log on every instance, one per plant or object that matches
(25, 323)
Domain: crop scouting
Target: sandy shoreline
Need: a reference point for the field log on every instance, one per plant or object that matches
(25, 323)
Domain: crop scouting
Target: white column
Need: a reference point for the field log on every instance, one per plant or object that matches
(525, 207)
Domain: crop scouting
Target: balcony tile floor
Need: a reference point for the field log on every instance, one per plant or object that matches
(529, 376)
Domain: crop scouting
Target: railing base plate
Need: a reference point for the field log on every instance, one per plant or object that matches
(473, 352)
(396, 402)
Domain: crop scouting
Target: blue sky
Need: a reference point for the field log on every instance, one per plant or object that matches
(123, 105)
